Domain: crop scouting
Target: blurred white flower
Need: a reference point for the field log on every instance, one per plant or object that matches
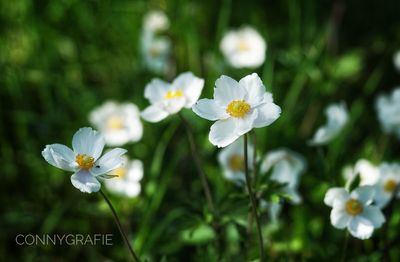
(354, 211)
(368, 172)
(127, 178)
(156, 52)
(231, 159)
(287, 167)
(167, 99)
(388, 108)
(83, 160)
(396, 60)
(238, 107)
(387, 185)
(155, 21)
(337, 118)
(273, 209)
(244, 47)
(119, 123)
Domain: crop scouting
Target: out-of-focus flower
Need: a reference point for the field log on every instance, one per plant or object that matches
(396, 60)
(155, 21)
(231, 159)
(119, 123)
(354, 211)
(337, 118)
(127, 178)
(238, 107)
(287, 166)
(388, 108)
(156, 52)
(387, 185)
(273, 209)
(368, 172)
(167, 99)
(244, 47)
(84, 160)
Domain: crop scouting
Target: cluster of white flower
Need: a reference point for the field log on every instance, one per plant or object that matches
(388, 108)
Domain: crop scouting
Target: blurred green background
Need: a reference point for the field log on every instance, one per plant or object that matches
(60, 59)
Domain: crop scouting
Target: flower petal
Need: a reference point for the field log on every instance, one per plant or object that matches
(110, 161)
(59, 156)
(245, 124)
(154, 114)
(365, 194)
(155, 90)
(227, 90)
(254, 87)
(335, 194)
(360, 227)
(85, 182)
(208, 109)
(373, 214)
(88, 141)
(267, 114)
(191, 86)
(222, 133)
(339, 218)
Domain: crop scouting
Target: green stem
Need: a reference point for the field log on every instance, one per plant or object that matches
(345, 244)
(253, 201)
(116, 219)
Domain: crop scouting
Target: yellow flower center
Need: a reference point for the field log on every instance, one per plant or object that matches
(154, 52)
(238, 108)
(390, 186)
(243, 46)
(119, 172)
(236, 163)
(115, 122)
(173, 94)
(354, 207)
(84, 161)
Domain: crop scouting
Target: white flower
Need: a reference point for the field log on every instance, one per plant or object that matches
(156, 52)
(119, 123)
(368, 172)
(389, 112)
(84, 160)
(396, 60)
(244, 47)
(387, 185)
(354, 211)
(287, 166)
(273, 209)
(238, 107)
(127, 180)
(155, 21)
(337, 118)
(167, 99)
(231, 159)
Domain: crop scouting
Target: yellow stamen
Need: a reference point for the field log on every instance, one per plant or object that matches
(84, 161)
(115, 122)
(354, 207)
(236, 163)
(120, 172)
(243, 46)
(173, 94)
(238, 108)
(390, 185)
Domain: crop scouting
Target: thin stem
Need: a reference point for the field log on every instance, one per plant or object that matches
(345, 244)
(116, 219)
(253, 201)
(253, 180)
(197, 160)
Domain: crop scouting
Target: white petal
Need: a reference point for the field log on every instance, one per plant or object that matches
(191, 86)
(154, 114)
(85, 182)
(245, 124)
(88, 141)
(381, 197)
(222, 133)
(110, 161)
(227, 90)
(365, 194)
(336, 194)
(132, 189)
(254, 87)
(59, 156)
(174, 105)
(155, 90)
(267, 114)
(208, 109)
(373, 214)
(360, 227)
(135, 171)
(339, 218)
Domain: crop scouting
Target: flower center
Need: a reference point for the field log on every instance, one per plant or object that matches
(84, 161)
(243, 46)
(238, 108)
(119, 172)
(173, 94)
(154, 52)
(115, 122)
(390, 185)
(354, 207)
(236, 163)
